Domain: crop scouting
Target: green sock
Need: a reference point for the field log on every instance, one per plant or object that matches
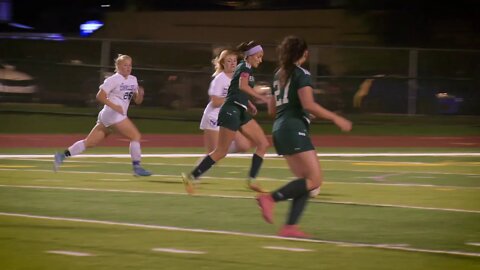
(296, 208)
(293, 189)
(255, 167)
(204, 166)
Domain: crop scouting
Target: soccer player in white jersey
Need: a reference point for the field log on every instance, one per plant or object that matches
(225, 64)
(115, 93)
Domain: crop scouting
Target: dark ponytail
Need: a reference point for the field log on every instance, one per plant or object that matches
(289, 51)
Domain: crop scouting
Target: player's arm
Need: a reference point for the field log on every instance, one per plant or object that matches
(138, 96)
(243, 85)
(308, 103)
(272, 106)
(215, 91)
(217, 101)
(103, 99)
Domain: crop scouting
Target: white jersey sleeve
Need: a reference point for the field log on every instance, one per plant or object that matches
(219, 85)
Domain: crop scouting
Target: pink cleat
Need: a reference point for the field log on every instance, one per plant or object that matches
(266, 203)
(292, 231)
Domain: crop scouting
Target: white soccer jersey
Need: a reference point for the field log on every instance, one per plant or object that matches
(218, 87)
(120, 90)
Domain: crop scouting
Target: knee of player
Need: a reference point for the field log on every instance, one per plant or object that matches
(314, 182)
(242, 148)
(137, 137)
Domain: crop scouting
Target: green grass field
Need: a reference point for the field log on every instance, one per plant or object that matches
(373, 213)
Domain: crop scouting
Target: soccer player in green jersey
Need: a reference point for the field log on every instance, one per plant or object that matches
(292, 103)
(235, 115)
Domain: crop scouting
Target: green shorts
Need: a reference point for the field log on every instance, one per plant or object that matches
(233, 116)
(292, 139)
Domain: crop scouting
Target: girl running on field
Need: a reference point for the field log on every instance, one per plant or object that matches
(235, 115)
(291, 103)
(115, 93)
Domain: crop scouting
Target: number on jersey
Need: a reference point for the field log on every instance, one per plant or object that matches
(128, 95)
(281, 94)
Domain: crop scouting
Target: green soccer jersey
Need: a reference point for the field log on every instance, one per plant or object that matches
(235, 95)
(288, 106)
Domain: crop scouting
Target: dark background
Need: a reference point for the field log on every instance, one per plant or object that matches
(406, 23)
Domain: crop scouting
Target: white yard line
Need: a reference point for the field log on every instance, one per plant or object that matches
(180, 251)
(240, 197)
(288, 249)
(261, 178)
(253, 235)
(69, 253)
(48, 158)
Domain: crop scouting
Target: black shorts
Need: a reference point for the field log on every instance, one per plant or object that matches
(233, 116)
(292, 138)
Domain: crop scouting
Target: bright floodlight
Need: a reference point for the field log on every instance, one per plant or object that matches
(89, 27)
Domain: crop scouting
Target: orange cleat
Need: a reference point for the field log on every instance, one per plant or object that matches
(188, 182)
(252, 184)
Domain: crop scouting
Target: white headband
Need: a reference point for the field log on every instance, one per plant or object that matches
(254, 50)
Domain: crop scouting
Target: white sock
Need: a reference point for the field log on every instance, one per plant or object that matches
(77, 148)
(135, 151)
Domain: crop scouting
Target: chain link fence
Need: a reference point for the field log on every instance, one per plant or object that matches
(176, 75)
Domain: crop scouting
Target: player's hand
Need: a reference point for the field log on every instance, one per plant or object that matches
(344, 124)
(252, 109)
(140, 91)
(263, 99)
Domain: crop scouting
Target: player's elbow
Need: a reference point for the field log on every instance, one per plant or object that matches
(100, 95)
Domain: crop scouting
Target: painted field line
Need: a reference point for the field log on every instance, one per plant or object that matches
(253, 235)
(69, 253)
(398, 184)
(413, 163)
(180, 251)
(239, 197)
(244, 166)
(288, 249)
(452, 154)
(473, 244)
(17, 166)
(265, 178)
(353, 163)
(114, 180)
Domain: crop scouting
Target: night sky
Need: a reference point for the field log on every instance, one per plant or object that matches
(418, 16)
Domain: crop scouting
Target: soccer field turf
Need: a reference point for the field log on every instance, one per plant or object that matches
(374, 212)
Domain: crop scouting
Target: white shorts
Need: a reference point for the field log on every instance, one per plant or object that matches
(209, 122)
(110, 117)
